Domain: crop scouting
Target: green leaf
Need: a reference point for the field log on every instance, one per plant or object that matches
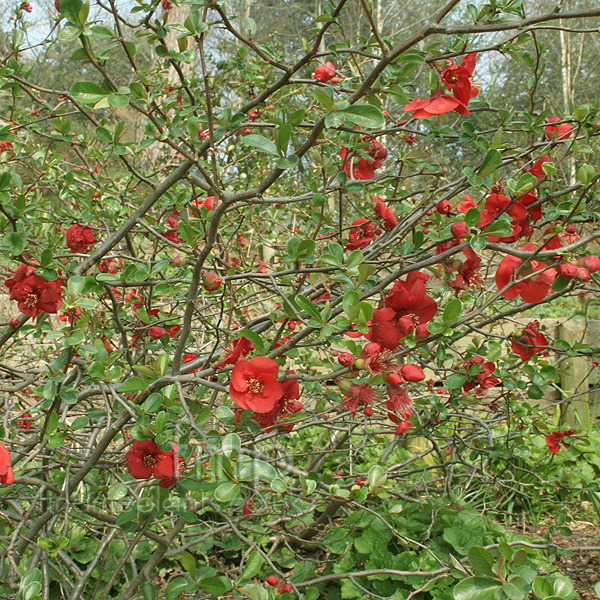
(75, 284)
(104, 135)
(481, 560)
(542, 587)
(70, 9)
(304, 304)
(377, 477)
(217, 586)
(148, 590)
(490, 163)
(366, 116)
(473, 217)
(117, 491)
(133, 384)
(175, 588)
(260, 142)
(452, 311)
(227, 491)
(516, 589)
(475, 588)
(289, 162)
(254, 591)
(231, 445)
(279, 485)
(253, 565)
(88, 92)
(455, 381)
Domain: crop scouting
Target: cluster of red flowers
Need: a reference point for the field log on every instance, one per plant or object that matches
(378, 360)
(534, 288)
(80, 238)
(554, 440)
(326, 72)
(458, 80)
(254, 386)
(363, 168)
(480, 375)
(146, 460)
(33, 293)
(406, 307)
(530, 341)
(7, 477)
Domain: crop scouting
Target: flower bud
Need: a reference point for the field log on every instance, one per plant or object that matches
(272, 580)
(157, 332)
(412, 373)
(568, 270)
(346, 359)
(460, 229)
(422, 332)
(211, 281)
(591, 263)
(394, 379)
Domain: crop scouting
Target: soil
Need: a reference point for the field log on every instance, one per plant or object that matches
(582, 567)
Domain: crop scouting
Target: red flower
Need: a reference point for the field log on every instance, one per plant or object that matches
(463, 207)
(400, 405)
(361, 234)
(385, 212)
(438, 103)
(24, 422)
(376, 359)
(554, 440)
(443, 207)
(248, 507)
(33, 293)
(7, 477)
(468, 272)
(457, 78)
(409, 298)
(562, 131)
(80, 238)
(287, 405)
(358, 395)
(325, 73)
(147, 460)
(536, 168)
(481, 375)
(364, 169)
(531, 290)
(253, 385)
(384, 328)
(179, 466)
(241, 347)
(530, 341)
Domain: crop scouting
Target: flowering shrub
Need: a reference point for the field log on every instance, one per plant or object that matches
(274, 310)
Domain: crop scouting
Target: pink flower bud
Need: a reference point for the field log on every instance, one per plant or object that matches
(568, 270)
(157, 332)
(272, 580)
(591, 263)
(211, 281)
(346, 359)
(422, 332)
(460, 230)
(412, 372)
(394, 379)
(406, 325)
(583, 275)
